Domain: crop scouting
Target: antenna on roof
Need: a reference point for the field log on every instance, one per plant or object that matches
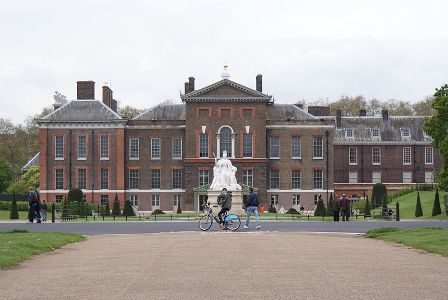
(225, 74)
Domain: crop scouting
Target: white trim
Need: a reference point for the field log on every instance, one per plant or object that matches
(298, 126)
(381, 143)
(118, 191)
(104, 158)
(318, 158)
(157, 126)
(83, 125)
(82, 158)
(299, 191)
(160, 148)
(295, 158)
(138, 148)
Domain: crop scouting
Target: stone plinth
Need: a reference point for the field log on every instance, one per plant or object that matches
(237, 201)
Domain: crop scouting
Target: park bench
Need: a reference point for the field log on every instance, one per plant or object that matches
(388, 214)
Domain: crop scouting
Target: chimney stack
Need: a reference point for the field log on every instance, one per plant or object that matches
(56, 106)
(363, 112)
(191, 84)
(86, 90)
(259, 83)
(385, 115)
(187, 87)
(114, 105)
(107, 96)
(339, 119)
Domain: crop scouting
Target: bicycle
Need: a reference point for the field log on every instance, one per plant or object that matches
(231, 221)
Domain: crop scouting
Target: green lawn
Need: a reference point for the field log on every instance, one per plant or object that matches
(433, 240)
(407, 205)
(23, 215)
(18, 245)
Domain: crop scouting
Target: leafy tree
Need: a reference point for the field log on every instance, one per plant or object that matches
(129, 112)
(437, 127)
(320, 208)
(6, 175)
(418, 206)
(29, 178)
(75, 194)
(349, 105)
(367, 207)
(330, 205)
(379, 195)
(398, 107)
(127, 210)
(436, 209)
(14, 214)
(116, 207)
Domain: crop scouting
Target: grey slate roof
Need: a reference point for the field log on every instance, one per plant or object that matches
(287, 111)
(83, 110)
(390, 131)
(163, 112)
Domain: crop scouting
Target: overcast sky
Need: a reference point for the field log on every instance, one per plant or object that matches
(147, 49)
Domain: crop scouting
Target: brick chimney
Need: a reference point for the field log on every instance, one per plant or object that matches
(187, 87)
(385, 115)
(107, 96)
(319, 110)
(191, 84)
(363, 112)
(339, 119)
(86, 90)
(259, 83)
(114, 105)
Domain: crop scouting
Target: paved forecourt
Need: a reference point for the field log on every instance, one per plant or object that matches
(224, 265)
(100, 227)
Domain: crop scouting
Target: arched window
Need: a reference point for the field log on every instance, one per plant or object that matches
(225, 143)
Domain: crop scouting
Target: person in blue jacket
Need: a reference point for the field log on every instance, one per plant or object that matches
(252, 204)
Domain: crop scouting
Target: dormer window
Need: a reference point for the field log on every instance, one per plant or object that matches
(349, 133)
(405, 133)
(425, 135)
(375, 132)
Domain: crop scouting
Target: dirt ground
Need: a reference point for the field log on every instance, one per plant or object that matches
(255, 265)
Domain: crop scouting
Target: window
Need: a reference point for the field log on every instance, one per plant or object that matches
(352, 177)
(317, 148)
(405, 133)
(295, 179)
(248, 177)
(406, 155)
(82, 152)
(204, 112)
(407, 177)
(134, 179)
(352, 156)
(104, 147)
(247, 145)
(274, 179)
(295, 147)
(155, 201)
(177, 148)
(104, 199)
(59, 198)
(177, 178)
(59, 176)
(176, 201)
(376, 156)
(59, 147)
(134, 151)
(155, 179)
(247, 112)
(349, 133)
(225, 112)
(375, 132)
(296, 200)
(274, 200)
(203, 145)
(134, 200)
(84, 198)
(104, 179)
(429, 177)
(376, 177)
(82, 179)
(429, 156)
(155, 148)
(203, 177)
(318, 179)
(274, 147)
(225, 141)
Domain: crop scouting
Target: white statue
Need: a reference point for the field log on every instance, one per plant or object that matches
(224, 174)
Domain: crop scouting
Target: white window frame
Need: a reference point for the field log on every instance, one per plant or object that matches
(155, 201)
(160, 179)
(104, 199)
(251, 145)
(175, 155)
(134, 200)
(103, 156)
(82, 157)
(351, 131)
(201, 145)
(176, 200)
(405, 136)
(299, 147)
(377, 130)
(293, 179)
(429, 179)
(101, 179)
(204, 174)
(405, 155)
(376, 179)
(431, 150)
(271, 177)
(350, 162)
(153, 150)
(84, 177)
(315, 139)
(56, 152)
(131, 157)
(248, 177)
(56, 179)
(296, 200)
(315, 187)
(379, 156)
(173, 171)
(406, 178)
(131, 187)
(271, 145)
(353, 177)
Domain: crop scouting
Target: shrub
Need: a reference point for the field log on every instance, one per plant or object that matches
(418, 207)
(367, 208)
(272, 209)
(116, 207)
(179, 210)
(14, 215)
(379, 195)
(320, 208)
(293, 211)
(21, 205)
(106, 210)
(74, 195)
(436, 210)
(157, 212)
(65, 210)
(127, 210)
(330, 206)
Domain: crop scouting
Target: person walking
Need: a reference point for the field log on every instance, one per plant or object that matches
(33, 204)
(225, 200)
(252, 204)
(345, 208)
(336, 209)
(43, 211)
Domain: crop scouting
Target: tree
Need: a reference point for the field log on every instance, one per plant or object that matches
(320, 208)
(107, 209)
(436, 210)
(29, 178)
(398, 107)
(330, 206)
(14, 214)
(65, 209)
(116, 207)
(75, 194)
(349, 105)
(127, 210)
(379, 195)
(129, 112)
(179, 210)
(424, 107)
(418, 207)
(6, 175)
(367, 207)
(437, 127)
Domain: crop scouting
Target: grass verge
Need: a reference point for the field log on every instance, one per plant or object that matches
(429, 239)
(18, 245)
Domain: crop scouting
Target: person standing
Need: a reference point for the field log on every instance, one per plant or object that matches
(345, 208)
(43, 211)
(225, 200)
(336, 209)
(252, 204)
(33, 204)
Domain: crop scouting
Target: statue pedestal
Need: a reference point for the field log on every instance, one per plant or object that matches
(237, 202)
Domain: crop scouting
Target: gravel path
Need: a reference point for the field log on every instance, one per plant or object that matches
(228, 265)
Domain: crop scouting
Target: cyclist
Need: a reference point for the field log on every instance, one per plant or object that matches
(225, 200)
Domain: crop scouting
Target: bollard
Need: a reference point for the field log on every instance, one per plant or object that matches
(126, 217)
(114, 217)
(53, 213)
(139, 217)
(308, 217)
(171, 217)
(155, 217)
(397, 214)
(86, 218)
(94, 217)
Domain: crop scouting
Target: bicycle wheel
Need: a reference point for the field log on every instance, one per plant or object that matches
(233, 224)
(205, 222)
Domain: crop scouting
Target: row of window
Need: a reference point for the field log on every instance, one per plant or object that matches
(376, 156)
(274, 179)
(376, 177)
(134, 148)
(375, 133)
(296, 147)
